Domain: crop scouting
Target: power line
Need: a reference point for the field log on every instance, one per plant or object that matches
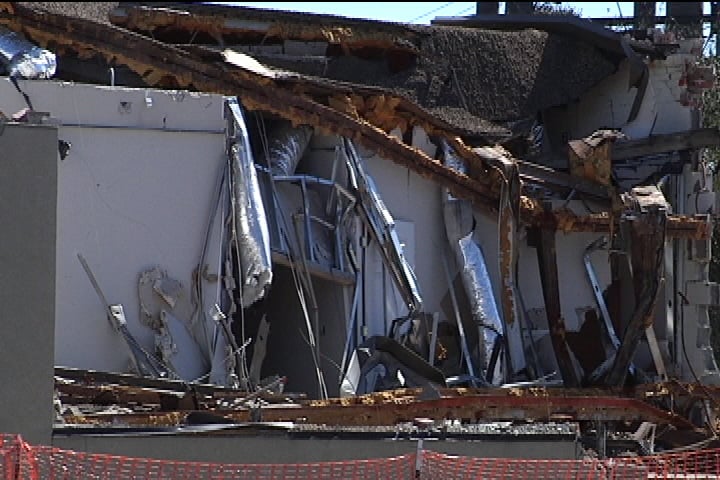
(431, 12)
(465, 10)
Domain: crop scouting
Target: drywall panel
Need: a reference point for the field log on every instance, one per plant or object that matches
(135, 191)
(128, 199)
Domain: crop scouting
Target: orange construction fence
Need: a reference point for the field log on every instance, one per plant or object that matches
(21, 461)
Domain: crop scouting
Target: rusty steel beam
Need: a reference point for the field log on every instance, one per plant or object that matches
(157, 400)
(696, 227)
(163, 65)
(504, 168)
(476, 408)
(128, 397)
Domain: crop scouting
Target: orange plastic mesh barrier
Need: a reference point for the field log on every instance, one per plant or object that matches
(21, 461)
(42, 462)
(8, 461)
(702, 464)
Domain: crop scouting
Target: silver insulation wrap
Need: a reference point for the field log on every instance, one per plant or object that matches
(286, 146)
(250, 223)
(23, 59)
(478, 288)
(459, 225)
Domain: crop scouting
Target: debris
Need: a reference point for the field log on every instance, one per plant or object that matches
(591, 157)
(145, 363)
(385, 141)
(23, 59)
(250, 230)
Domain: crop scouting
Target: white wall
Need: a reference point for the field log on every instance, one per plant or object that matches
(415, 200)
(608, 104)
(128, 199)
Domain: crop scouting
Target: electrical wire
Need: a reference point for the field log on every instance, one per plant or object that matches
(331, 362)
(199, 311)
(434, 10)
(466, 10)
(227, 357)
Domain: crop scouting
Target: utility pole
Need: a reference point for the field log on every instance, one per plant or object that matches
(644, 15)
(487, 8)
(519, 8)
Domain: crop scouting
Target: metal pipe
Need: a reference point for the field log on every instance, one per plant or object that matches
(595, 284)
(308, 232)
(433, 338)
(456, 309)
(311, 180)
(350, 327)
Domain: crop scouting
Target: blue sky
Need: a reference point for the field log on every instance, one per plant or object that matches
(423, 12)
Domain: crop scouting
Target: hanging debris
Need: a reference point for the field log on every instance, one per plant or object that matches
(21, 58)
(591, 157)
(382, 227)
(459, 226)
(250, 230)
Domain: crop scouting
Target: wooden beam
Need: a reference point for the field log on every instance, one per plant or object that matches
(644, 222)
(665, 143)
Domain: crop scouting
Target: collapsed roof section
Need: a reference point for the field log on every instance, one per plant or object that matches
(365, 114)
(465, 76)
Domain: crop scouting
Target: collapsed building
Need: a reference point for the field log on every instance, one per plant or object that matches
(222, 215)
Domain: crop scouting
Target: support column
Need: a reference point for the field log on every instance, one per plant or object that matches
(487, 8)
(543, 239)
(644, 14)
(644, 223)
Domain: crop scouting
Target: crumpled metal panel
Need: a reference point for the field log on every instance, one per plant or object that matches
(286, 146)
(23, 59)
(459, 225)
(250, 223)
(382, 225)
